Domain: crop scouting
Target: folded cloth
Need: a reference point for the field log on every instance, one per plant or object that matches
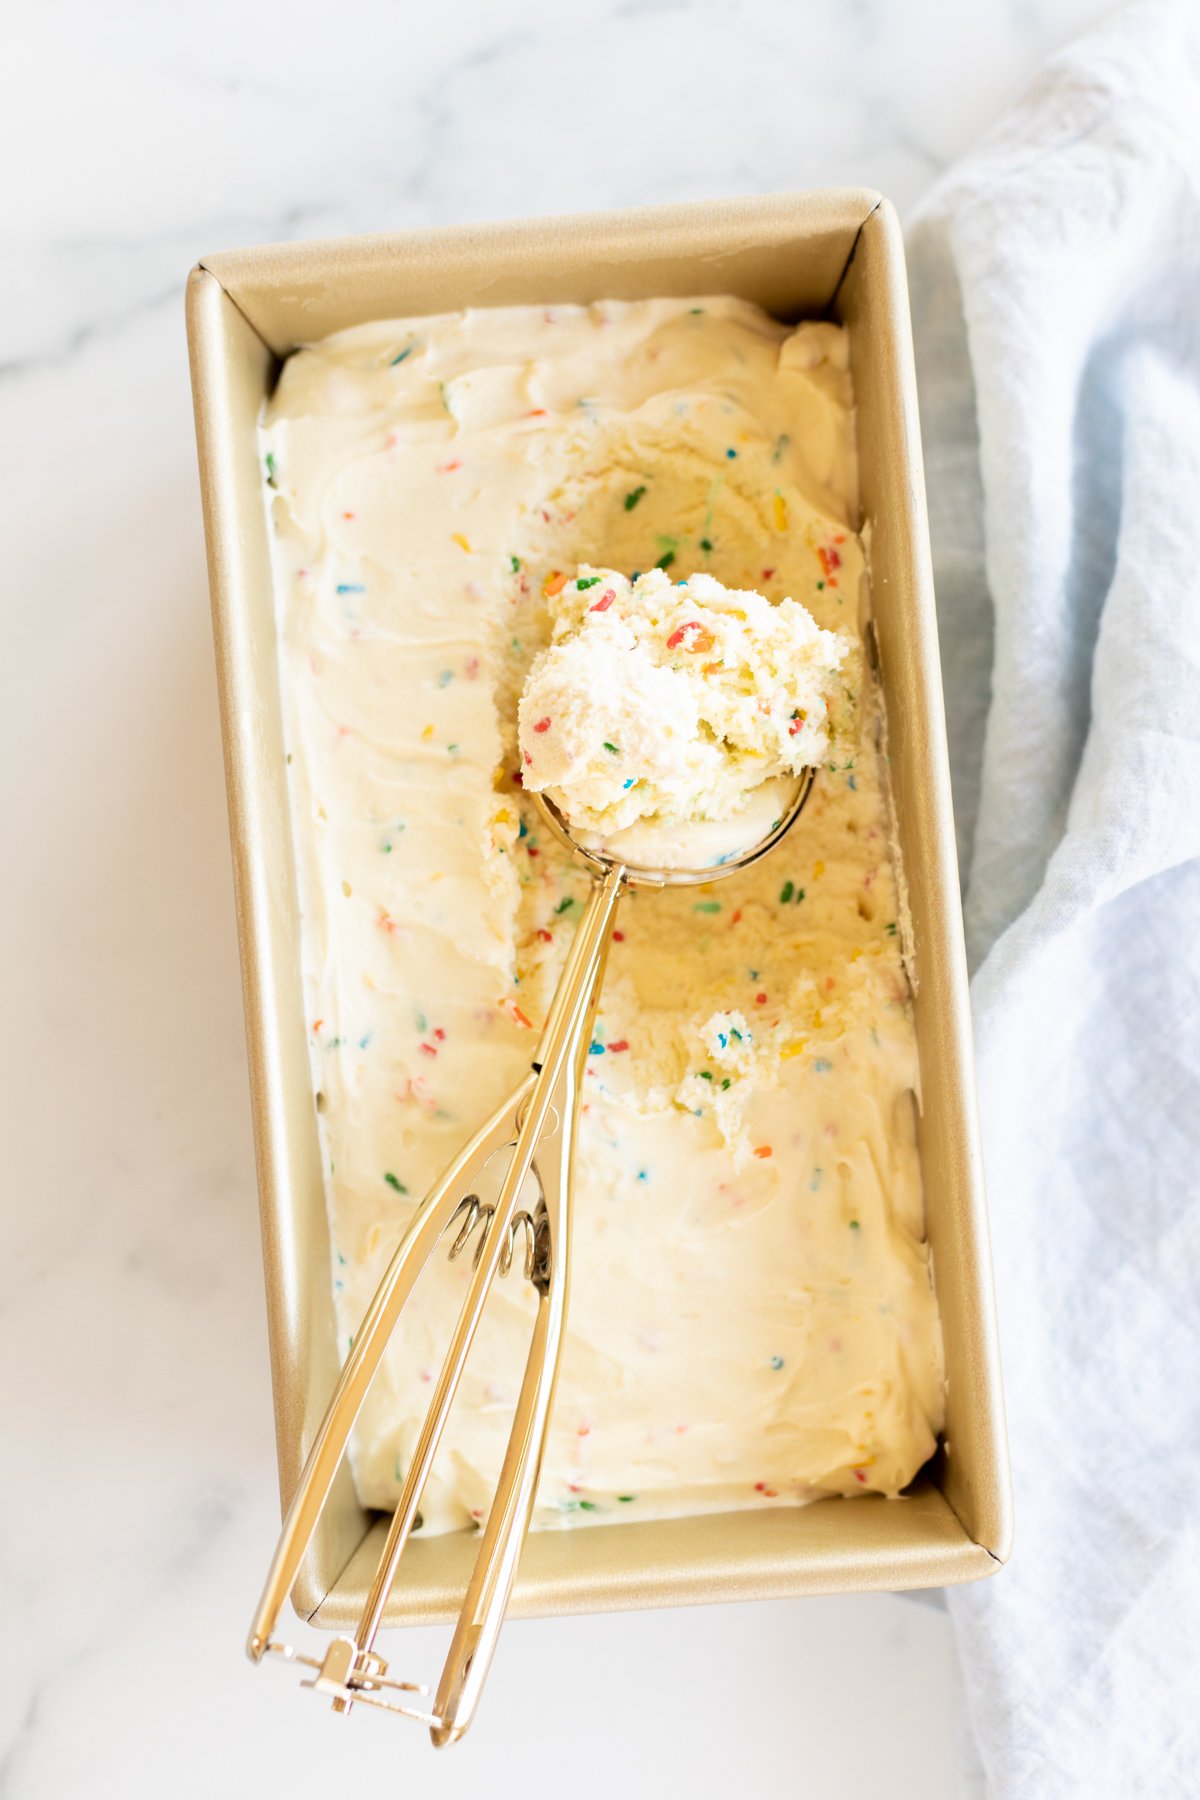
(1056, 291)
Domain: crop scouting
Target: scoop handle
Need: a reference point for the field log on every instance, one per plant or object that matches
(563, 1055)
(431, 1220)
(539, 1121)
(537, 1124)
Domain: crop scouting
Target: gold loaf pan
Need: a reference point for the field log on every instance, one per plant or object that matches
(834, 254)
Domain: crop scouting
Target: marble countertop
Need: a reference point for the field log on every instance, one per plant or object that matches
(138, 1502)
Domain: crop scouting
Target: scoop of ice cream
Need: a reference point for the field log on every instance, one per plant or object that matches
(664, 713)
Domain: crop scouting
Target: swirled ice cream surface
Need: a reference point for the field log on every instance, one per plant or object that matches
(752, 1320)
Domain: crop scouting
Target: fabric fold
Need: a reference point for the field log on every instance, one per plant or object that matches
(1056, 293)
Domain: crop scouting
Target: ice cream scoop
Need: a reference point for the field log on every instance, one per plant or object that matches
(535, 1130)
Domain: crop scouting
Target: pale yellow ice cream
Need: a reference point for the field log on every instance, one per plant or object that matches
(668, 704)
(751, 1319)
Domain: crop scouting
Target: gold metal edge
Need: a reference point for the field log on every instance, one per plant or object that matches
(982, 1497)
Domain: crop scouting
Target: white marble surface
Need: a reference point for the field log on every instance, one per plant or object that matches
(137, 1501)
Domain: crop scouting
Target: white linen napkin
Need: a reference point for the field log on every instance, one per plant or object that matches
(1056, 290)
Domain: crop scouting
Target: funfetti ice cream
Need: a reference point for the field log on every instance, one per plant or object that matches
(751, 1320)
(667, 705)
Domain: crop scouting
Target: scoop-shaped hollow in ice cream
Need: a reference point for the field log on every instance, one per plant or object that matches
(665, 715)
